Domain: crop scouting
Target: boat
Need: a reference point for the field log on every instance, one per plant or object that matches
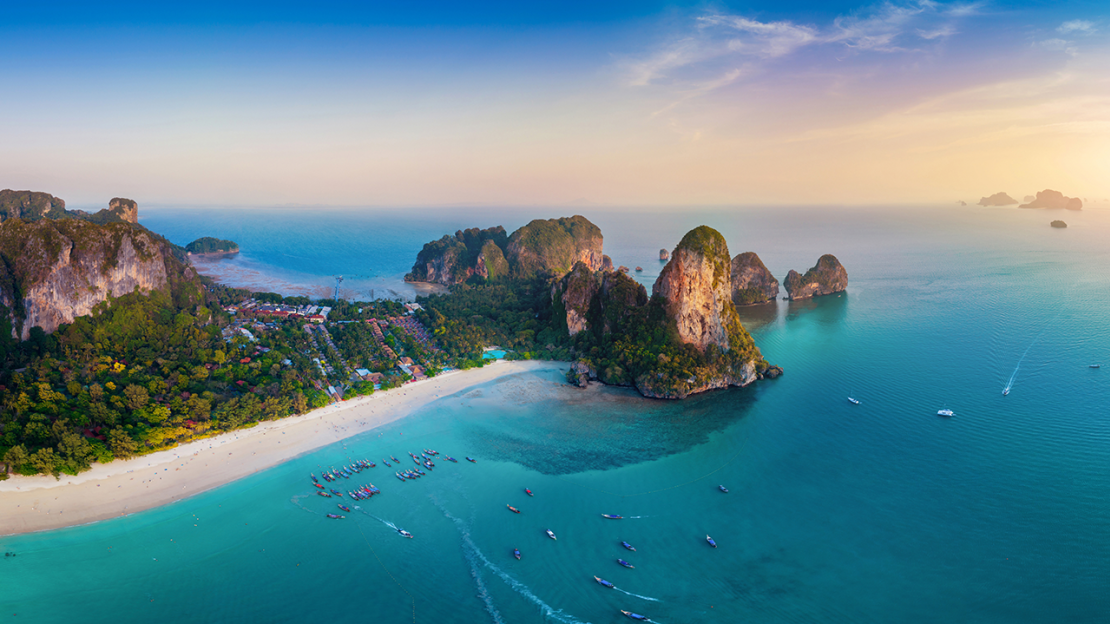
(513, 509)
(314, 480)
(722, 488)
(945, 412)
(551, 534)
(625, 563)
(611, 516)
(399, 476)
(528, 492)
(516, 553)
(1095, 366)
(628, 546)
(710, 541)
(336, 516)
(472, 460)
(371, 464)
(324, 494)
(345, 508)
(405, 533)
(395, 460)
(450, 459)
(1005, 391)
(337, 492)
(853, 401)
(386, 464)
(318, 485)
(604, 583)
(635, 616)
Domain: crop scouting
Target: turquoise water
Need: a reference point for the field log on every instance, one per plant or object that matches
(876, 512)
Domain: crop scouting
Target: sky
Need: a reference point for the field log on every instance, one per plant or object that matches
(554, 103)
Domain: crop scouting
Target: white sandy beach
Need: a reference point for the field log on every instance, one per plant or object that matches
(125, 487)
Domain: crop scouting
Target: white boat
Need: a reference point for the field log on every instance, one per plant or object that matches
(551, 534)
(945, 412)
(853, 401)
(1005, 391)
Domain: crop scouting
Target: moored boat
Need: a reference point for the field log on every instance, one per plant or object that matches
(628, 546)
(386, 464)
(344, 508)
(336, 516)
(450, 459)
(516, 553)
(604, 583)
(399, 476)
(314, 480)
(945, 412)
(710, 541)
(550, 534)
(513, 509)
(528, 492)
(625, 563)
(722, 488)
(635, 616)
(318, 485)
(337, 492)
(324, 494)
(612, 516)
(395, 460)
(472, 460)
(1095, 366)
(853, 401)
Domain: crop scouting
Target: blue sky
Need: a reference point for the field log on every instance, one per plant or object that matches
(626, 103)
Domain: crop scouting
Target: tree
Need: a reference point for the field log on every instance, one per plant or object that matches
(121, 444)
(137, 396)
(15, 458)
(45, 461)
(77, 449)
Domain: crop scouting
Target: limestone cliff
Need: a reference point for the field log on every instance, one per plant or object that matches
(126, 209)
(696, 285)
(553, 246)
(998, 199)
(30, 205)
(455, 259)
(1054, 200)
(619, 298)
(825, 278)
(751, 281)
(52, 271)
(574, 294)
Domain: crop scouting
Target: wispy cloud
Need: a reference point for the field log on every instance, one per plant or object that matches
(1059, 45)
(766, 39)
(1076, 26)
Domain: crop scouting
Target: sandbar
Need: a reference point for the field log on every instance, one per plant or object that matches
(121, 488)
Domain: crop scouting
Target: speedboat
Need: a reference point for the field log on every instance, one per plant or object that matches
(710, 541)
(336, 516)
(405, 533)
(611, 516)
(551, 534)
(450, 459)
(1095, 366)
(324, 494)
(853, 401)
(345, 508)
(516, 553)
(628, 546)
(945, 412)
(722, 488)
(604, 583)
(1005, 391)
(625, 563)
(513, 509)
(528, 492)
(472, 460)
(635, 616)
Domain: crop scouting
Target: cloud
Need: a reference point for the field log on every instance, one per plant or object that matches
(1076, 26)
(878, 30)
(767, 39)
(944, 31)
(1059, 45)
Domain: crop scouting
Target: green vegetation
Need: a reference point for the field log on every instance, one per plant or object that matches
(208, 244)
(457, 255)
(550, 247)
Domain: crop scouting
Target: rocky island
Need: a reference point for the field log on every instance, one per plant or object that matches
(998, 199)
(207, 245)
(751, 281)
(1054, 200)
(1058, 224)
(825, 278)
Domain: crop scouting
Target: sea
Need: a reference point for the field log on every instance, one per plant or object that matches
(835, 512)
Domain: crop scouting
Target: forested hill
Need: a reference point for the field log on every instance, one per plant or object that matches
(208, 244)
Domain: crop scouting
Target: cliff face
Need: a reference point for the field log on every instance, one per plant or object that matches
(53, 271)
(576, 292)
(751, 281)
(553, 246)
(126, 209)
(697, 285)
(1054, 200)
(826, 278)
(455, 259)
(998, 199)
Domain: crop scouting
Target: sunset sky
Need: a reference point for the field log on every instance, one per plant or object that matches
(560, 103)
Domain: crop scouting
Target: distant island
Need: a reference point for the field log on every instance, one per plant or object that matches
(1058, 224)
(210, 245)
(1054, 200)
(998, 199)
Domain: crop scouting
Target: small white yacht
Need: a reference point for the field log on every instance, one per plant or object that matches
(945, 412)
(853, 401)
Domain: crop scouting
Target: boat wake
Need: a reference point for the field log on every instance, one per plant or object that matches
(1010, 383)
(636, 595)
(385, 522)
(474, 556)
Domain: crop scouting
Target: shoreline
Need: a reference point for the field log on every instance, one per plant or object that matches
(121, 488)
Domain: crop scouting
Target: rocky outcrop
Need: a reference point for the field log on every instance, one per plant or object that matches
(210, 245)
(1054, 200)
(751, 281)
(553, 246)
(1058, 224)
(576, 292)
(664, 255)
(998, 199)
(455, 259)
(606, 263)
(697, 285)
(126, 209)
(828, 276)
(53, 271)
(620, 296)
(1028, 199)
(30, 206)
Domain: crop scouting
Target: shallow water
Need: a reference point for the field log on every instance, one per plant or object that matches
(876, 512)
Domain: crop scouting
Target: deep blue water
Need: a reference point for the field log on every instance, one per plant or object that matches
(878, 512)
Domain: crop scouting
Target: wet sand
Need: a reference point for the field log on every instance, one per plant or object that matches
(124, 487)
